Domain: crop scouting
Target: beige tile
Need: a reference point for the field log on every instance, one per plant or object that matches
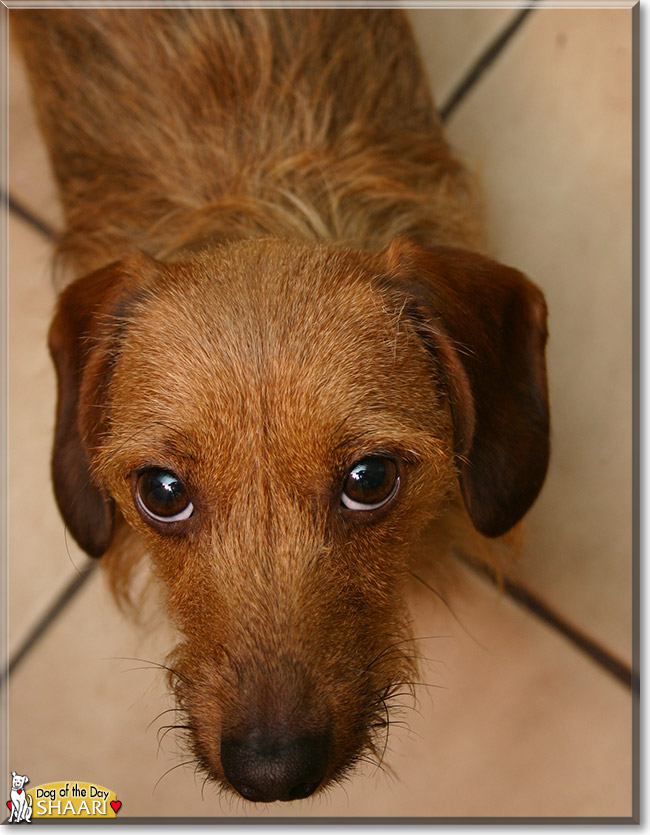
(40, 564)
(451, 40)
(524, 724)
(30, 177)
(550, 129)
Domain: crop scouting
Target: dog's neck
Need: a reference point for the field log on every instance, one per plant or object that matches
(364, 200)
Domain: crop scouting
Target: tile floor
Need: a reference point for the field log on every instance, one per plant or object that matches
(528, 725)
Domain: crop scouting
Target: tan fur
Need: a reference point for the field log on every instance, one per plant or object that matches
(277, 236)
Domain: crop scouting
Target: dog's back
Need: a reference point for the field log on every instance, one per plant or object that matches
(170, 128)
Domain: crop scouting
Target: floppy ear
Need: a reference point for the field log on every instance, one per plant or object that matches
(485, 326)
(82, 340)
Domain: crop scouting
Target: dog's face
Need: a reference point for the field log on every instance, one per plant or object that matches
(278, 423)
(18, 781)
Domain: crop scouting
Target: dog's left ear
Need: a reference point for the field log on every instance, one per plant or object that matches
(485, 326)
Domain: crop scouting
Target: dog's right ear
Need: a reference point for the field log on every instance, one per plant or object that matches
(83, 339)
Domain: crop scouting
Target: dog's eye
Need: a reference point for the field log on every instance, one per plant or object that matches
(162, 495)
(371, 483)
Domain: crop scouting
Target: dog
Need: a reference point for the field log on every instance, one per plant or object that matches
(284, 360)
(21, 803)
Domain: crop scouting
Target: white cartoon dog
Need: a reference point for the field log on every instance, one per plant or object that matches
(21, 802)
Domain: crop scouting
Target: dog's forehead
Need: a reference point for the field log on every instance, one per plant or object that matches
(256, 315)
(270, 339)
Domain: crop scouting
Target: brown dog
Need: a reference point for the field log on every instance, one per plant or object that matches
(280, 361)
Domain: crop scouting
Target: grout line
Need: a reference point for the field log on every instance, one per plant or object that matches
(76, 584)
(488, 57)
(54, 610)
(538, 607)
(22, 212)
(619, 669)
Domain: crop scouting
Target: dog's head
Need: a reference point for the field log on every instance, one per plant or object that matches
(278, 423)
(18, 780)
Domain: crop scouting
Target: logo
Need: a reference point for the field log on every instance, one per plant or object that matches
(20, 803)
(70, 799)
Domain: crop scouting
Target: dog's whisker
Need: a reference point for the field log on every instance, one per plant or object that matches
(149, 664)
(387, 732)
(163, 713)
(169, 770)
(205, 780)
(166, 729)
(197, 770)
(401, 642)
(448, 607)
(397, 695)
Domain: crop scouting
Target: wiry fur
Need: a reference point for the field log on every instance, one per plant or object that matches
(263, 123)
(277, 239)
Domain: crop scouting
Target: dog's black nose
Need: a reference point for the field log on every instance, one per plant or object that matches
(263, 768)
